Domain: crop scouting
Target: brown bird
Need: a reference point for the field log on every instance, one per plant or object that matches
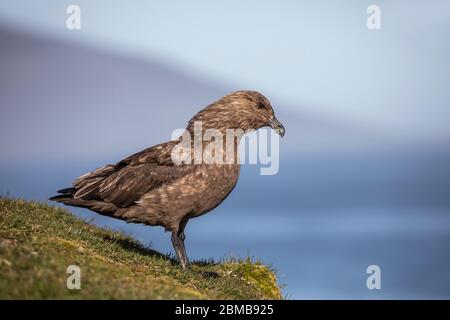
(149, 187)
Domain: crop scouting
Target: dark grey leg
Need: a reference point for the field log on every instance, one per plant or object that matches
(178, 245)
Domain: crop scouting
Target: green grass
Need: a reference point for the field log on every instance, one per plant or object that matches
(38, 242)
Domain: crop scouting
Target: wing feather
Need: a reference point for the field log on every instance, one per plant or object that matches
(129, 184)
(125, 182)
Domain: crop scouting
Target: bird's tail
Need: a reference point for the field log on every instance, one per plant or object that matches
(68, 197)
(65, 194)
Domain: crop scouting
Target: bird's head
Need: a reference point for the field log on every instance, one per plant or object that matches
(246, 110)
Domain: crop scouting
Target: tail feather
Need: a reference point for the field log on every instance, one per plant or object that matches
(70, 190)
(65, 194)
(61, 197)
(85, 192)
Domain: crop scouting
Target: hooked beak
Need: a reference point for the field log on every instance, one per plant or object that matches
(277, 126)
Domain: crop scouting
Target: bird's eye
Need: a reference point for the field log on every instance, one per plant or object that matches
(261, 105)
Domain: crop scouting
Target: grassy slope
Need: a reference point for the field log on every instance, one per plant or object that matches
(38, 242)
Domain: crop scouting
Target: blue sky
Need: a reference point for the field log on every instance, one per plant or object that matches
(317, 55)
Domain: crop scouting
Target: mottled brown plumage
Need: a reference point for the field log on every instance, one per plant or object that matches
(149, 188)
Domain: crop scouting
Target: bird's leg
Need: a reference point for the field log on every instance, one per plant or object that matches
(178, 244)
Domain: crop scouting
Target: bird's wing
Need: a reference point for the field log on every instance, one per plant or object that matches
(126, 181)
(160, 154)
(129, 184)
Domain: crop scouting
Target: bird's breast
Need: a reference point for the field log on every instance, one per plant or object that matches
(215, 184)
(192, 195)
